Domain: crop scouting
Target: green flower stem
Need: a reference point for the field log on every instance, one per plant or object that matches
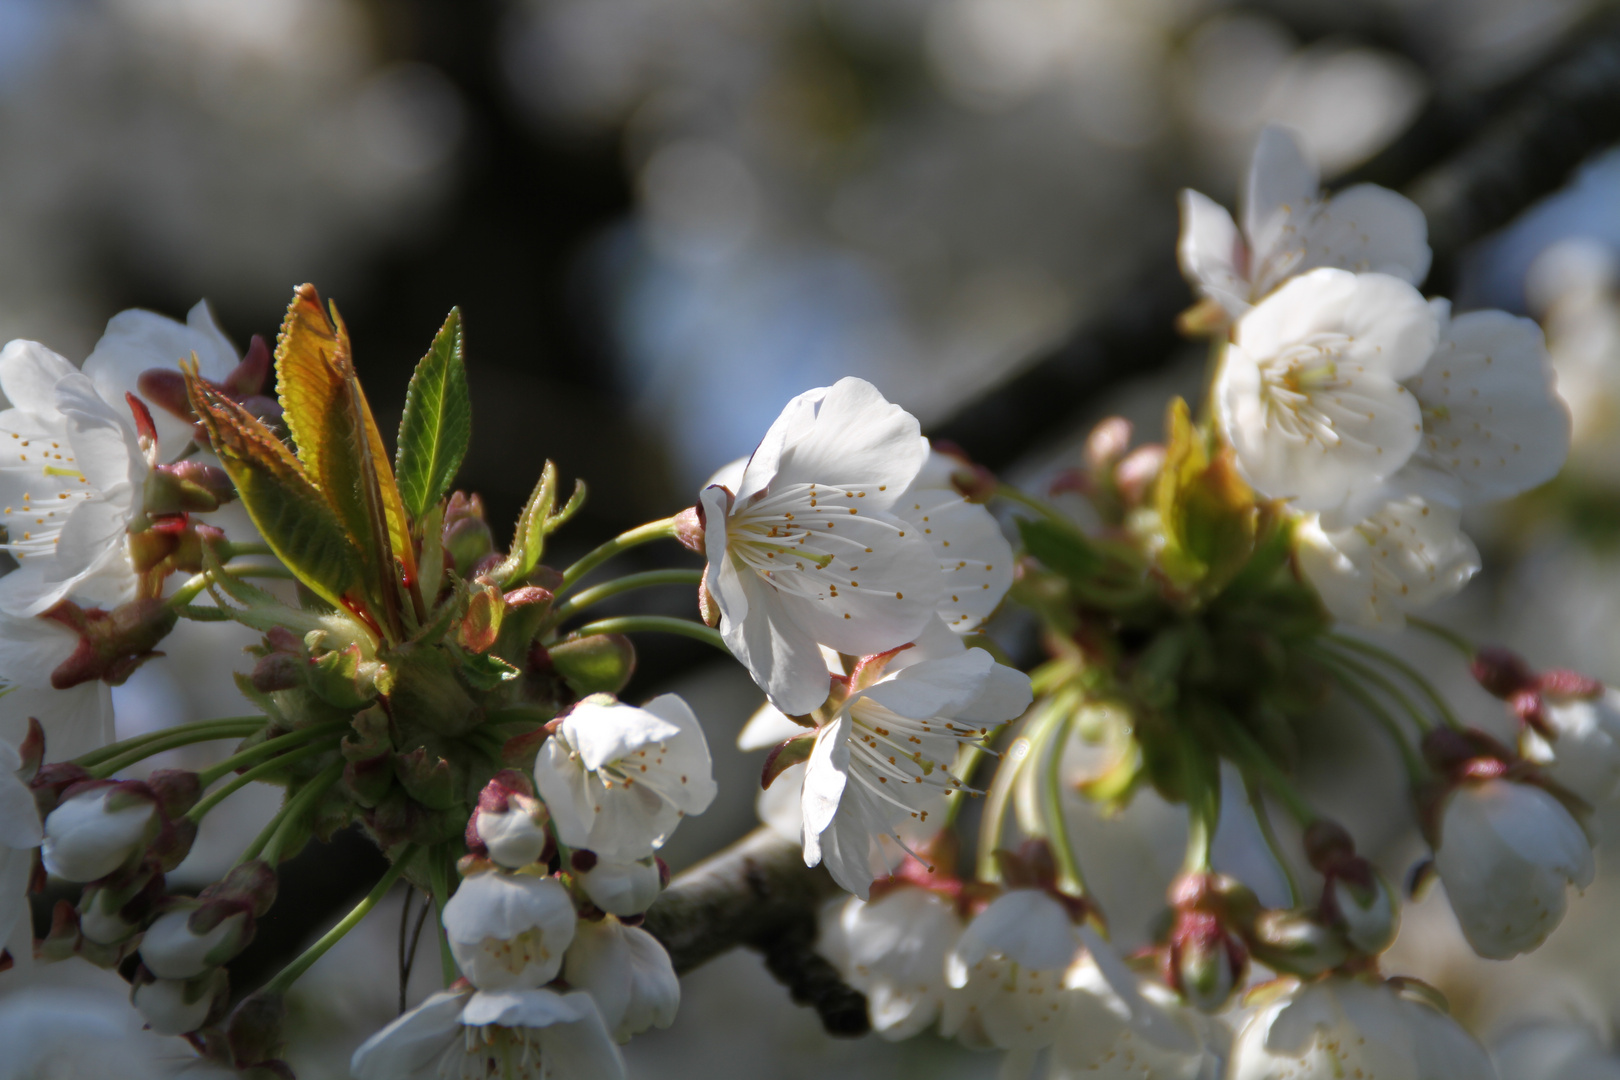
(1203, 811)
(1349, 668)
(264, 768)
(1254, 761)
(1013, 495)
(439, 881)
(230, 549)
(597, 593)
(275, 834)
(630, 624)
(1050, 785)
(1416, 771)
(995, 808)
(170, 740)
(289, 974)
(220, 728)
(213, 773)
(1413, 675)
(1446, 634)
(641, 534)
(194, 585)
(1262, 817)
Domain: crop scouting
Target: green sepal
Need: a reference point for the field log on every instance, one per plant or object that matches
(486, 671)
(595, 664)
(786, 754)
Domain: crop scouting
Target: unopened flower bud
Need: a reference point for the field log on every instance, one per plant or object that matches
(111, 915)
(1206, 962)
(1135, 474)
(621, 888)
(1578, 742)
(595, 664)
(1501, 672)
(96, 830)
(509, 931)
(112, 644)
(185, 942)
(509, 822)
(467, 536)
(1367, 911)
(689, 529)
(1293, 943)
(178, 1006)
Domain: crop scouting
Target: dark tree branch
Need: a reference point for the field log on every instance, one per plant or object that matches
(1560, 117)
(758, 893)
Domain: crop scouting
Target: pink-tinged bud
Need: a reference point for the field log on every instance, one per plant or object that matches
(1501, 672)
(97, 829)
(1207, 963)
(1134, 475)
(249, 377)
(621, 888)
(689, 529)
(112, 644)
(204, 483)
(166, 388)
(1107, 443)
(184, 942)
(509, 824)
(467, 538)
(178, 1006)
(1366, 911)
(708, 610)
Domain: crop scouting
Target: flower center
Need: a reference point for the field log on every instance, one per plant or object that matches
(515, 954)
(494, 1051)
(789, 538)
(1292, 385)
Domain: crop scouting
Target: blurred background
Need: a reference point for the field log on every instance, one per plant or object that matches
(663, 218)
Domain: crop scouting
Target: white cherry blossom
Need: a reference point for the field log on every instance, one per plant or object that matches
(627, 972)
(1151, 1036)
(809, 550)
(20, 833)
(1351, 1026)
(618, 779)
(974, 556)
(1493, 423)
(1508, 854)
(509, 931)
(76, 720)
(94, 832)
(893, 949)
(513, 1034)
(1584, 753)
(1309, 393)
(1290, 227)
(883, 763)
(621, 888)
(172, 949)
(1407, 554)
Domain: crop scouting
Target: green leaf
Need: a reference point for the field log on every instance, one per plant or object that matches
(539, 519)
(286, 508)
(1061, 549)
(436, 427)
(486, 671)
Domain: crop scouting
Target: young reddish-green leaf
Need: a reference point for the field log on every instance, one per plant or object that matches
(296, 521)
(437, 424)
(337, 439)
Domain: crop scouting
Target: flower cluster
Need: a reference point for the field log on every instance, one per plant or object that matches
(1377, 415)
(545, 925)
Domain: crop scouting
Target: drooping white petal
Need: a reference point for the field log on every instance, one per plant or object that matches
(1405, 556)
(893, 950)
(628, 974)
(1508, 853)
(1026, 926)
(768, 727)
(1493, 424)
(1213, 255)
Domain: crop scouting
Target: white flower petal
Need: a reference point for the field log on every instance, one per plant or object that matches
(1367, 228)
(1212, 253)
(1281, 181)
(976, 558)
(1493, 425)
(29, 373)
(768, 727)
(858, 439)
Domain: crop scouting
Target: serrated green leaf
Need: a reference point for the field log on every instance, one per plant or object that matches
(437, 425)
(286, 508)
(486, 671)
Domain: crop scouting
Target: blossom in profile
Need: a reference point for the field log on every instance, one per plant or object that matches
(810, 549)
(1579, 744)
(617, 779)
(1151, 1033)
(892, 949)
(1508, 855)
(627, 972)
(1310, 395)
(1354, 1026)
(1290, 227)
(516, 1034)
(880, 768)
